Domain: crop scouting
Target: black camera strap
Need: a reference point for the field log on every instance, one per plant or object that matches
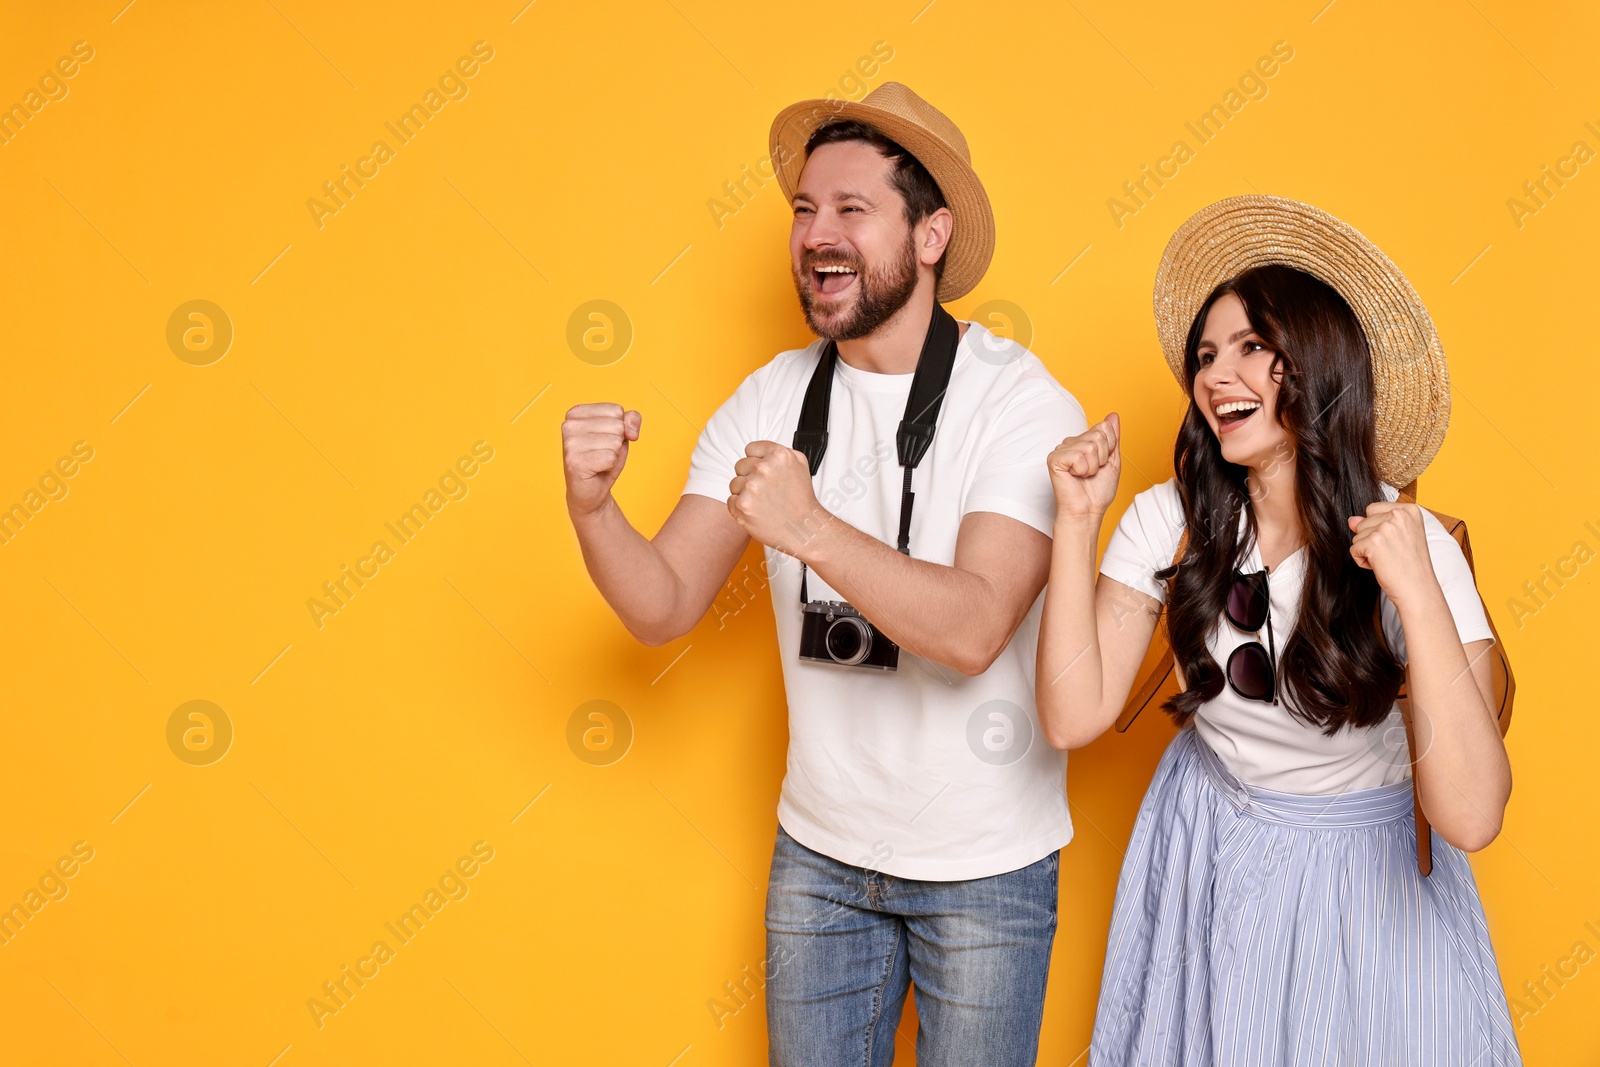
(915, 434)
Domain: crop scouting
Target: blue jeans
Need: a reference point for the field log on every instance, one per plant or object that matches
(844, 943)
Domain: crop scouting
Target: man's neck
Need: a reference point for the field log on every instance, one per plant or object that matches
(895, 347)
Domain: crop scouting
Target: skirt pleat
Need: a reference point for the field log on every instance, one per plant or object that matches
(1260, 928)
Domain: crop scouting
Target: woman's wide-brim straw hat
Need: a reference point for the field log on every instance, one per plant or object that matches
(921, 129)
(1411, 380)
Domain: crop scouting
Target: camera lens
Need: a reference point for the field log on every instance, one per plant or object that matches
(849, 640)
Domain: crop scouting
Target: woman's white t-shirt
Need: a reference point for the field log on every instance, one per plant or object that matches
(1261, 743)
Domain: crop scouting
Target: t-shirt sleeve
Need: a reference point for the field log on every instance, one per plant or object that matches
(722, 443)
(1013, 477)
(1460, 591)
(1145, 539)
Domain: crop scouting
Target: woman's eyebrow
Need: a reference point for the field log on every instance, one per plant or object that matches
(1241, 335)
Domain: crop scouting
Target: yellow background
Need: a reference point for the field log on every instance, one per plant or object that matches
(432, 309)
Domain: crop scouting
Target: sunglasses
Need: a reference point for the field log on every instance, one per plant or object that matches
(1250, 668)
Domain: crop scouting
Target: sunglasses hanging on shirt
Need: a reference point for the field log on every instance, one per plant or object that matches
(1251, 672)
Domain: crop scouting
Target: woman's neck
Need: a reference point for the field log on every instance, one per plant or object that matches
(1272, 499)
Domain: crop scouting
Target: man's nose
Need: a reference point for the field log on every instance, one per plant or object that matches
(823, 231)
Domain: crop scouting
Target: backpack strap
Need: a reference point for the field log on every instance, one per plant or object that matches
(1505, 685)
(1408, 495)
(1155, 678)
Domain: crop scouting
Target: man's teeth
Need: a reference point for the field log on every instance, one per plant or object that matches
(835, 270)
(1237, 405)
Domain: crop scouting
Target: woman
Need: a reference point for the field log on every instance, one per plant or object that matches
(1270, 909)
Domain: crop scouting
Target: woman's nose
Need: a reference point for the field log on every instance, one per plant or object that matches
(1221, 371)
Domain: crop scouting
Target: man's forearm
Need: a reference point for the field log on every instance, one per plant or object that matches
(940, 613)
(630, 573)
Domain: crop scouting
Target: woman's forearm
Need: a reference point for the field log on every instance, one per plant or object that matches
(1069, 680)
(1463, 773)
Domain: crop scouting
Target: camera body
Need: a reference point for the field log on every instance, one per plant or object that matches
(832, 631)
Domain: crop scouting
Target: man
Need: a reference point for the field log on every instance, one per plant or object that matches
(922, 813)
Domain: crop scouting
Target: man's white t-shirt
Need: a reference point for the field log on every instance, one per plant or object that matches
(921, 772)
(1261, 743)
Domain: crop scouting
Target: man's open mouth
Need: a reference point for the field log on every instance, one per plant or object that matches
(833, 279)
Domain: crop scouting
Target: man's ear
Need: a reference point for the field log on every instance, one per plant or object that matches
(933, 235)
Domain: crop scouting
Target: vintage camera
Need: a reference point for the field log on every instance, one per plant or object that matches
(832, 631)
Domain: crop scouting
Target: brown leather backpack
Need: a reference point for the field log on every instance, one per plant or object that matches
(1159, 680)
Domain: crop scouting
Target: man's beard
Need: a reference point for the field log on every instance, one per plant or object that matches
(880, 294)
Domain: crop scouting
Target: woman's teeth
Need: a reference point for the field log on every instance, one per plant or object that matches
(1236, 410)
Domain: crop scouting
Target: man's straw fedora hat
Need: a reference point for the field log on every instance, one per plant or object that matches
(921, 129)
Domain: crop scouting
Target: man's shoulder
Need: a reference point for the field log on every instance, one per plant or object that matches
(1015, 372)
(775, 382)
(786, 368)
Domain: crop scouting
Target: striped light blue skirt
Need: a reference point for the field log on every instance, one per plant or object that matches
(1261, 928)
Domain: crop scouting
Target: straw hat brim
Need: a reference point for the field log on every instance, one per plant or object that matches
(1411, 380)
(971, 244)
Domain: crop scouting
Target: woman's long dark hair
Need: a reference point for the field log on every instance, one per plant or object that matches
(1334, 670)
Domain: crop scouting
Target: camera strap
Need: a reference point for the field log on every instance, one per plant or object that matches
(915, 434)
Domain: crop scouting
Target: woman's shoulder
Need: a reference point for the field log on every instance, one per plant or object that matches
(1146, 538)
(1437, 535)
(1160, 503)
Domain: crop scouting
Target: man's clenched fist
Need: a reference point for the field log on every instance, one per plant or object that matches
(772, 497)
(594, 447)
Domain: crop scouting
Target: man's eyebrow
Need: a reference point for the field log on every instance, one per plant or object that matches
(838, 197)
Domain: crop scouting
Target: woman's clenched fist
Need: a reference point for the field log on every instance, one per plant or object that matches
(1084, 471)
